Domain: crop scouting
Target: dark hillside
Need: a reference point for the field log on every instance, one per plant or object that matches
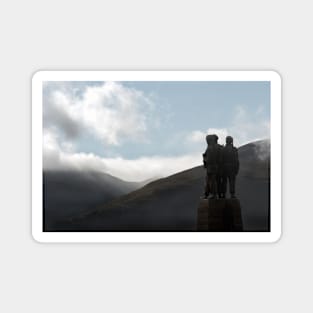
(171, 203)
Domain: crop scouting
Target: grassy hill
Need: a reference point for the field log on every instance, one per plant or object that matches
(171, 203)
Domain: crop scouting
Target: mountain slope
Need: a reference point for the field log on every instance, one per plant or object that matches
(171, 203)
(67, 193)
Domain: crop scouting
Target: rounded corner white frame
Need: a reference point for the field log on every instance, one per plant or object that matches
(165, 237)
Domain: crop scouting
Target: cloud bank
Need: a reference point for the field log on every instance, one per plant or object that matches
(109, 112)
(244, 129)
(112, 114)
(138, 170)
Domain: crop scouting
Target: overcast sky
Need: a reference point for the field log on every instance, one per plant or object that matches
(139, 130)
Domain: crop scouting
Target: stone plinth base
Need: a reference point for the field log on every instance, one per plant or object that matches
(219, 215)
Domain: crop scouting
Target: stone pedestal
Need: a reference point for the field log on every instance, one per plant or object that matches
(219, 215)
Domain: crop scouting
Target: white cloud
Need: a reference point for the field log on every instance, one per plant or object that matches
(248, 128)
(110, 112)
(50, 142)
(198, 136)
(130, 170)
(244, 129)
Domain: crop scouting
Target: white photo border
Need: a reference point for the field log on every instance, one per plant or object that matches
(161, 237)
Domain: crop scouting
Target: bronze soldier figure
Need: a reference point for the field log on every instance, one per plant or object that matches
(211, 161)
(219, 175)
(230, 166)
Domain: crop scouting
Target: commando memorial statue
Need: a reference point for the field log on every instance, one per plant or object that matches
(217, 212)
(222, 166)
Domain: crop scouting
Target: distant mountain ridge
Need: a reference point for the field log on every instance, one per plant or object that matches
(171, 203)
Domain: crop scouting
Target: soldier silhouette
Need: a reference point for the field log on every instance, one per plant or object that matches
(230, 166)
(219, 175)
(211, 161)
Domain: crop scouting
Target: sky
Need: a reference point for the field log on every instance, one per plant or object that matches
(142, 130)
